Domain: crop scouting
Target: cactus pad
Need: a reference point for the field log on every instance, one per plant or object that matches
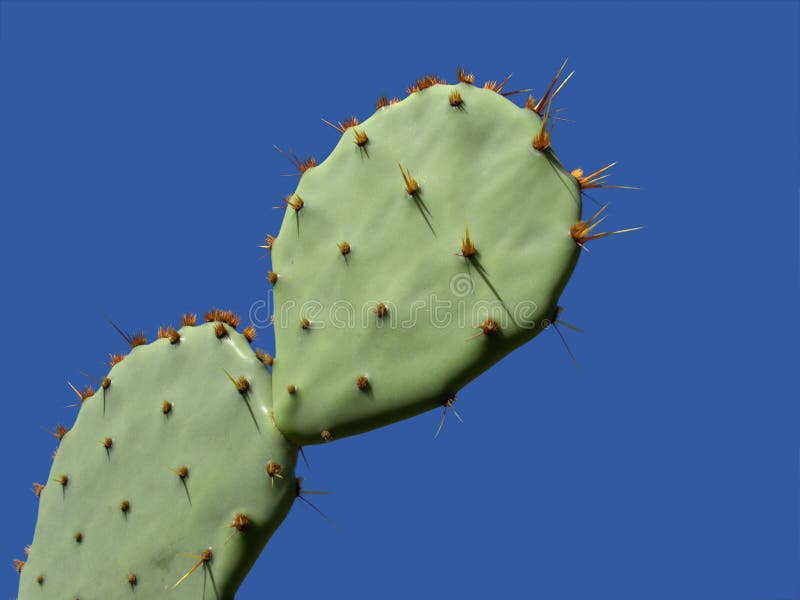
(172, 479)
(433, 240)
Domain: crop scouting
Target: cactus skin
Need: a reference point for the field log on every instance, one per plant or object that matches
(224, 437)
(471, 154)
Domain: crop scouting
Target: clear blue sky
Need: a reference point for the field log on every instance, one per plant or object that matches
(137, 178)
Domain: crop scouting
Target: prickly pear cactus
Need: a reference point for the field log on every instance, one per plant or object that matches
(435, 238)
(172, 479)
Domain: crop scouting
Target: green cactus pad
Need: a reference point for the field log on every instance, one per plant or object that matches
(125, 524)
(341, 368)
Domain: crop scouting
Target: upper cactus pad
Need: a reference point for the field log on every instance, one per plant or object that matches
(171, 466)
(432, 241)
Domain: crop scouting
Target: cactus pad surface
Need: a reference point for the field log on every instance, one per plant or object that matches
(172, 479)
(432, 241)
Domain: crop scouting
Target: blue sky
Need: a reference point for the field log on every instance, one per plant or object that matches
(137, 178)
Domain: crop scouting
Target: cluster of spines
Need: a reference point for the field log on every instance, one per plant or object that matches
(168, 332)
